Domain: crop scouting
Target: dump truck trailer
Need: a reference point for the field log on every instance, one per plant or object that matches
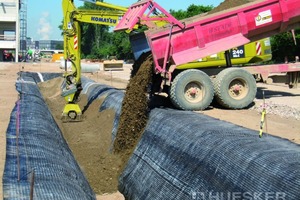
(176, 47)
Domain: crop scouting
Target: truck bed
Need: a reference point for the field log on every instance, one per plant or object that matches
(206, 35)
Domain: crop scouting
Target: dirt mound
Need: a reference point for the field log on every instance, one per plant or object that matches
(89, 140)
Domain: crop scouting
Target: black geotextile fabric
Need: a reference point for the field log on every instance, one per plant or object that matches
(184, 155)
(37, 156)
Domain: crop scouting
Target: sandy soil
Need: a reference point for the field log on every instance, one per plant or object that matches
(275, 125)
(8, 97)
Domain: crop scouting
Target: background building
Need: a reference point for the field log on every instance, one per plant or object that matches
(50, 44)
(23, 26)
(9, 29)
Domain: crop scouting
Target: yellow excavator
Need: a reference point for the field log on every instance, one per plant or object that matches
(73, 17)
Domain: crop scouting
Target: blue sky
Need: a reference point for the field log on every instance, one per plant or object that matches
(44, 17)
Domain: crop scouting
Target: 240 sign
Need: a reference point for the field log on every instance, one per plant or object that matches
(238, 52)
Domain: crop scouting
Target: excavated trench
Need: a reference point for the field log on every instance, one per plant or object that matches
(90, 139)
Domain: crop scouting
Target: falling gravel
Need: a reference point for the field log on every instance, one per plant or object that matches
(134, 114)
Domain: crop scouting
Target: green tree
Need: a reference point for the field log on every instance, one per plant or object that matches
(283, 46)
(122, 44)
(98, 41)
(191, 11)
(93, 36)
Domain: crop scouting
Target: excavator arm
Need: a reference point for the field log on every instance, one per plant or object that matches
(107, 5)
(73, 18)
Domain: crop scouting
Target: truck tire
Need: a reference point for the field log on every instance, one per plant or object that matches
(235, 88)
(191, 90)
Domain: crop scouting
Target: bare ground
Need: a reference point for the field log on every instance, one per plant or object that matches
(282, 125)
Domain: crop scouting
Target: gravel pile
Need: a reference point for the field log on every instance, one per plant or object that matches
(283, 111)
(227, 4)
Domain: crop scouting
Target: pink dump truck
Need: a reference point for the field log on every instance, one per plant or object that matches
(177, 44)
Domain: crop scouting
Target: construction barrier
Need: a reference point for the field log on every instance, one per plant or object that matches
(181, 155)
(56, 57)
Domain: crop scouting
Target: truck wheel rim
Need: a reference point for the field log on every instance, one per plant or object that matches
(194, 92)
(238, 89)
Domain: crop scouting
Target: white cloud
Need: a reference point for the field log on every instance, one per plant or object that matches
(45, 27)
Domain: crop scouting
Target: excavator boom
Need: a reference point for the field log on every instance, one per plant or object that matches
(107, 5)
